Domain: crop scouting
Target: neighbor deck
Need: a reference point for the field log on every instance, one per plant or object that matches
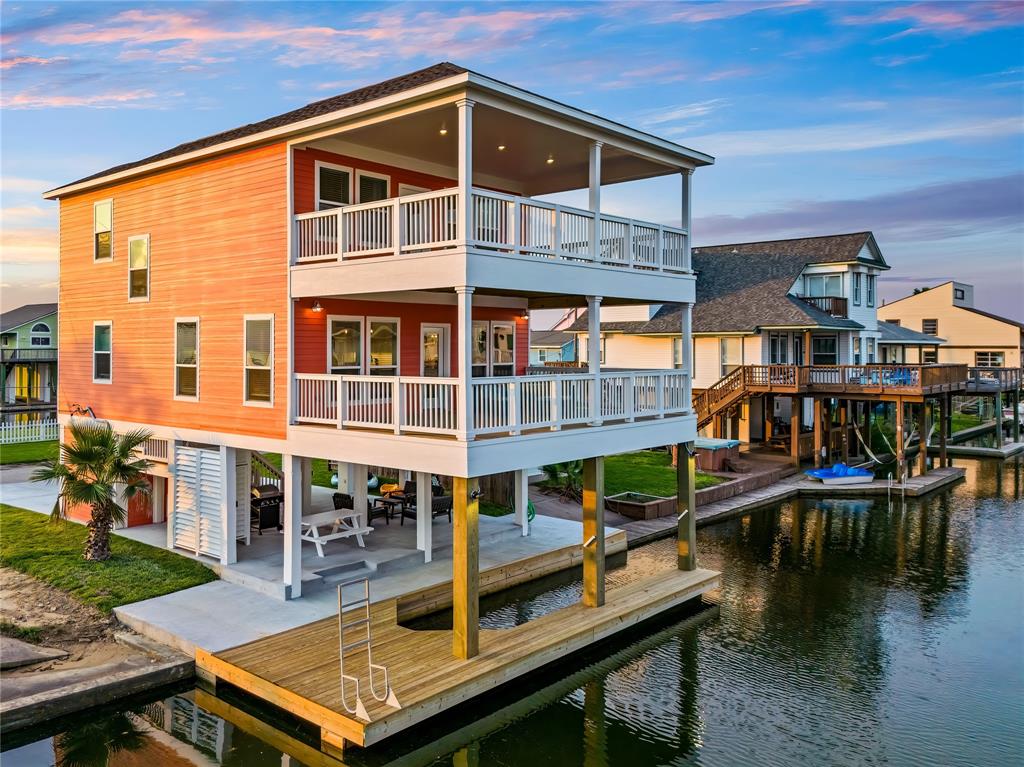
(297, 670)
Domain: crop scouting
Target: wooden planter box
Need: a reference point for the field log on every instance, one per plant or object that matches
(640, 506)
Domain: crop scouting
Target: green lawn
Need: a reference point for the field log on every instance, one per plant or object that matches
(648, 471)
(321, 475)
(31, 544)
(28, 452)
(963, 421)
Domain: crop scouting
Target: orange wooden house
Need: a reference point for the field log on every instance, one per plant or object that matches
(353, 281)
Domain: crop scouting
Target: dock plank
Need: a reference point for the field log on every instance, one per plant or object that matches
(298, 669)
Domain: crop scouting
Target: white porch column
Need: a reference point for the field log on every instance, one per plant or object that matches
(522, 499)
(292, 465)
(424, 518)
(228, 511)
(687, 356)
(595, 198)
(359, 491)
(465, 361)
(307, 485)
(172, 480)
(594, 356)
(687, 212)
(465, 211)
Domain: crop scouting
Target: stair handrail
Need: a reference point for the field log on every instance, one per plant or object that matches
(264, 469)
(706, 403)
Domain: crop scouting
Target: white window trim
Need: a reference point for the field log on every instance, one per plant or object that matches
(398, 343)
(370, 174)
(362, 341)
(491, 350)
(109, 324)
(858, 288)
(95, 259)
(34, 334)
(446, 357)
(316, 181)
(174, 382)
(487, 347)
(149, 264)
(245, 366)
(870, 287)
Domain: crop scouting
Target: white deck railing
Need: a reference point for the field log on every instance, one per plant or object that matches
(497, 405)
(502, 223)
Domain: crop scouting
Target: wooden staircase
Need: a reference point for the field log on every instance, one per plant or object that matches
(720, 396)
(265, 473)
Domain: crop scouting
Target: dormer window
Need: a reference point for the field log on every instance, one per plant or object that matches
(823, 285)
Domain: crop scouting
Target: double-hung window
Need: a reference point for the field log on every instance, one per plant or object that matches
(480, 332)
(186, 358)
(345, 345)
(856, 288)
(778, 351)
(824, 350)
(503, 349)
(731, 353)
(102, 352)
(856, 350)
(138, 268)
(102, 230)
(371, 187)
(871, 289)
(871, 351)
(333, 186)
(382, 338)
(259, 359)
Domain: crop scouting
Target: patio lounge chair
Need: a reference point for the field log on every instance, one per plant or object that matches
(343, 524)
(439, 506)
(346, 501)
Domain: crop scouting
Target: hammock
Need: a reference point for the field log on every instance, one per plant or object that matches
(867, 450)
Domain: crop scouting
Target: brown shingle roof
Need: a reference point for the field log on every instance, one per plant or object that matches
(317, 108)
(15, 318)
(831, 248)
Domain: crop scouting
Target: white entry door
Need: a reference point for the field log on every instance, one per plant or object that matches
(435, 351)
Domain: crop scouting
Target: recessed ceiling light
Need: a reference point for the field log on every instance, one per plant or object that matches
(551, 160)
(501, 147)
(444, 130)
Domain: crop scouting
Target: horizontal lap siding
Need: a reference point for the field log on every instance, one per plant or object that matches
(311, 330)
(305, 182)
(218, 251)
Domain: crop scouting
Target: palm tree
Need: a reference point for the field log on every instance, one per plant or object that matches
(96, 467)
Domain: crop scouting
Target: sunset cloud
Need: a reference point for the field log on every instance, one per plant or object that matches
(961, 18)
(27, 61)
(39, 98)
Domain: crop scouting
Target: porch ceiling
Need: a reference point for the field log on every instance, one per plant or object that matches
(512, 298)
(522, 167)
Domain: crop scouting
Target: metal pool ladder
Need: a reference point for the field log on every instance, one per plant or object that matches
(360, 609)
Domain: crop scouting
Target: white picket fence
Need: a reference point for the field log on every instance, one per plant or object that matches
(33, 431)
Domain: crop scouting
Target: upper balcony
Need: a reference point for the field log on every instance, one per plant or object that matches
(29, 354)
(483, 187)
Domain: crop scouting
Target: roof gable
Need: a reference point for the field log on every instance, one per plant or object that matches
(15, 318)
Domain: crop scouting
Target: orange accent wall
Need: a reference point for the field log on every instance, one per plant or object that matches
(311, 330)
(304, 167)
(218, 251)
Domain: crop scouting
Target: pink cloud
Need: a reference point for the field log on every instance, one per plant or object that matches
(958, 18)
(34, 98)
(21, 61)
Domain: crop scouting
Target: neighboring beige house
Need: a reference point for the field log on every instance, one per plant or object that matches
(972, 336)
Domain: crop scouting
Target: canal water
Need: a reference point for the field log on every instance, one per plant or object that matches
(846, 632)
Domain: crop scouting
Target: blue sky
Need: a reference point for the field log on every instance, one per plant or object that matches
(902, 118)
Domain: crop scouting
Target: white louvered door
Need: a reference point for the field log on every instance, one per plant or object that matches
(197, 487)
(184, 517)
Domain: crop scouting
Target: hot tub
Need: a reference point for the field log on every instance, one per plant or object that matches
(713, 453)
(640, 505)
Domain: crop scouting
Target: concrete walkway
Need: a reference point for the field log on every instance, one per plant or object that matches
(16, 489)
(219, 615)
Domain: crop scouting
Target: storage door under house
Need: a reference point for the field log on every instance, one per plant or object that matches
(243, 491)
(197, 490)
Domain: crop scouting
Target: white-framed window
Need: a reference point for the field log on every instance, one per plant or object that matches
(258, 360)
(778, 348)
(988, 359)
(102, 352)
(333, 185)
(931, 327)
(382, 345)
(371, 187)
(958, 294)
(870, 279)
(481, 329)
(856, 350)
(103, 230)
(856, 288)
(871, 351)
(503, 348)
(186, 358)
(40, 335)
(730, 350)
(824, 350)
(138, 268)
(345, 345)
(677, 352)
(823, 285)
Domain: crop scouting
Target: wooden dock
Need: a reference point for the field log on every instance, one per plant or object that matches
(297, 670)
